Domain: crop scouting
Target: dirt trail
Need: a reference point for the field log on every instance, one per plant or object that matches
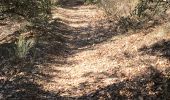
(95, 60)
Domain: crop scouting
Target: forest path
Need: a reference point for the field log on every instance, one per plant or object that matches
(86, 26)
(96, 59)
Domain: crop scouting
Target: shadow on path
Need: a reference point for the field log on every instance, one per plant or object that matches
(160, 48)
(20, 79)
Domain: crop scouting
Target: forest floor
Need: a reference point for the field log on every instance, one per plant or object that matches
(84, 58)
(98, 63)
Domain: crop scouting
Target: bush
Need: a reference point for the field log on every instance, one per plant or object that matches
(23, 47)
(135, 14)
(29, 9)
(151, 8)
(119, 8)
(139, 8)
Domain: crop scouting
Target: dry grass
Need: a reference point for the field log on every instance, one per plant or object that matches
(118, 8)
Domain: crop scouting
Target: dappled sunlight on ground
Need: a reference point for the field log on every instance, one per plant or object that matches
(113, 61)
(81, 16)
(80, 55)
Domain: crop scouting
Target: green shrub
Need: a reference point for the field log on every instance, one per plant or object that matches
(23, 47)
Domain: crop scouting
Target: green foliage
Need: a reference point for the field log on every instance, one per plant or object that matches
(23, 46)
(135, 14)
(29, 9)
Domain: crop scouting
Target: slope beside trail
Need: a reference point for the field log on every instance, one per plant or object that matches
(95, 57)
